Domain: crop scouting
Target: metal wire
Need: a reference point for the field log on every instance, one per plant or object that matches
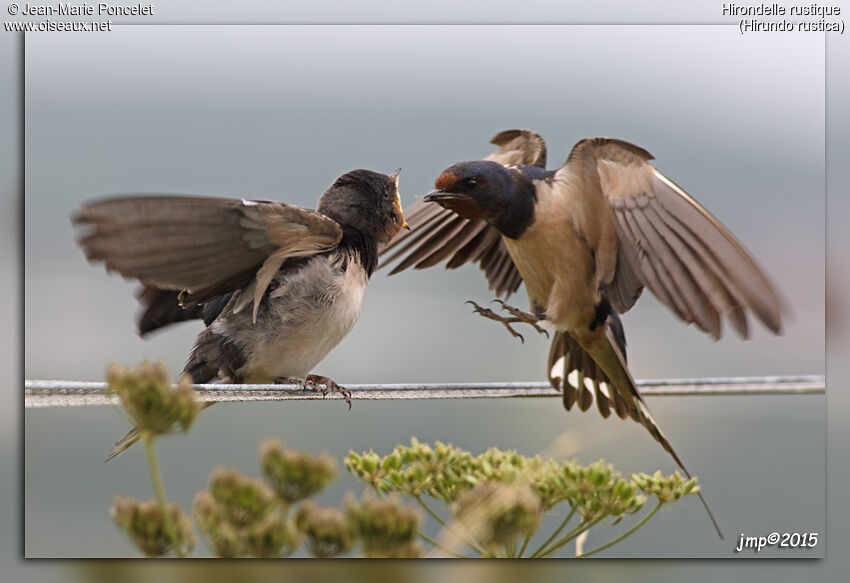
(88, 394)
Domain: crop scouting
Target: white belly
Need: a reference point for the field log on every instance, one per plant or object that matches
(308, 315)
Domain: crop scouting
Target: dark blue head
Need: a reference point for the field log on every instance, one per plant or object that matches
(488, 191)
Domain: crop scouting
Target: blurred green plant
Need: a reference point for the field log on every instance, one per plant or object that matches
(295, 475)
(154, 407)
(386, 527)
(144, 523)
(494, 502)
(240, 516)
(327, 530)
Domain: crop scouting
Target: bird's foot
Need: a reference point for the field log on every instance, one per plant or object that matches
(316, 381)
(517, 316)
(524, 317)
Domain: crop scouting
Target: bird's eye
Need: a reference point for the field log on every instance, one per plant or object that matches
(471, 182)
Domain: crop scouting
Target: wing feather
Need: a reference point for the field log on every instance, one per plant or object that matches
(438, 234)
(679, 282)
(652, 275)
(438, 242)
(519, 147)
(464, 233)
(201, 246)
(675, 247)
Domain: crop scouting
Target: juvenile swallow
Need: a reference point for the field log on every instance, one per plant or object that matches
(277, 286)
(586, 239)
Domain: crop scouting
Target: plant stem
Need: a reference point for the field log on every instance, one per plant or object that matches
(524, 544)
(583, 526)
(159, 489)
(554, 534)
(445, 525)
(445, 549)
(625, 534)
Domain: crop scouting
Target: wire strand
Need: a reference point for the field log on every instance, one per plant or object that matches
(63, 393)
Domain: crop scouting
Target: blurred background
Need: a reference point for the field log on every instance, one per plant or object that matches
(278, 112)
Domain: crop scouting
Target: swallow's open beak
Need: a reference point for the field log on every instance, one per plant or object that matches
(442, 195)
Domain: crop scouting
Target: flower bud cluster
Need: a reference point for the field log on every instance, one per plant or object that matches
(241, 516)
(386, 527)
(145, 525)
(149, 399)
(326, 529)
(497, 513)
(666, 488)
(516, 488)
(295, 475)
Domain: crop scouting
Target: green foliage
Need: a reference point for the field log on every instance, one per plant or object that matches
(497, 499)
(241, 500)
(494, 502)
(386, 527)
(240, 516)
(295, 475)
(445, 472)
(149, 399)
(144, 524)
(327, 530)
(666, 488)
(496, 513)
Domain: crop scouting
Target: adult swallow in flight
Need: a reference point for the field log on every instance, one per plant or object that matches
(586, 239)
(277, 286)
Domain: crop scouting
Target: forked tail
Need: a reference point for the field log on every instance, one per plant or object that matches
(597, 368)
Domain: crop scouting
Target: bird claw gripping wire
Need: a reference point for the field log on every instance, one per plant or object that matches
(316, 382)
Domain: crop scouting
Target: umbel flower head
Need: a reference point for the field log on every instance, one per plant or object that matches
(241, 516)
(220, 536)
(498, 513)
(328, 532)
(241, 499)
(666, 488)
(295, 475)
(149, 399)
(386, 527)
(273, 536)
(144, 524)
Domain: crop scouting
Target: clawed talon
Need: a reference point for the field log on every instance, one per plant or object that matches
(316, 382)
(490, 314)
(518, 317)
(330, 386)
(524, 317)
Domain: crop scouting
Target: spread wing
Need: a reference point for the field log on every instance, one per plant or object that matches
(204, 247)
(519, 147)
(672, 245)
(161, 307)
(437, 234)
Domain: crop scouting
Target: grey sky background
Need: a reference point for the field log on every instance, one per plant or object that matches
(278, 112)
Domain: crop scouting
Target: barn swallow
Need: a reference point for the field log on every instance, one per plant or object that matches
(277, 286)
(586, 239)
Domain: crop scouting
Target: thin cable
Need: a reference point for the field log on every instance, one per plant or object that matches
(91, 394)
